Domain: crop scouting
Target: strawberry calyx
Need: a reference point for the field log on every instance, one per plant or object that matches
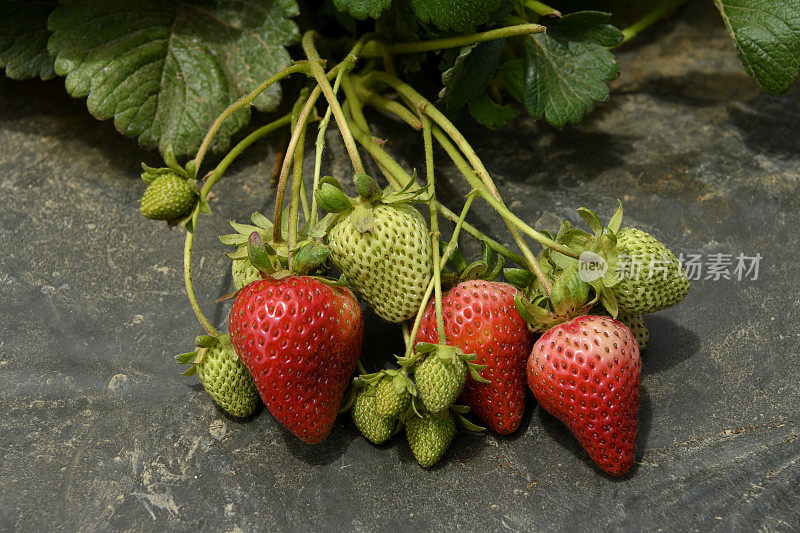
(487, 267)
(330, 196)
(569, 298)
(448, 353)
(203, 344)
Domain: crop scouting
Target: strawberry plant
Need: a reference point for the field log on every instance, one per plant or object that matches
(185, 77)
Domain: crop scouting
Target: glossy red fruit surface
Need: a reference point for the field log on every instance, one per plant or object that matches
(300, 339)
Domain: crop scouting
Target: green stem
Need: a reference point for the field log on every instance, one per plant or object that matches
(543, 239)
(389, 106)
(444, 123)
(322, 82)
(541, 9)
(437, 267)
(294, 198)
(209, 183)
(448, 251)
(648, 20)
(465, 169)
(320, 148)
(400, 179)
(187, 277)
(300, 66)
(298, 132)
(377, 49)
(223, 165)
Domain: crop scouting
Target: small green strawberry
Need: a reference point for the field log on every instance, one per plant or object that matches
(375, 428)
(429, 436)
(243, 272)
(440, 378)
(651, 277)
(223, 376)
(637, 326)
(168, 197)
(393, 393)
(381, 244)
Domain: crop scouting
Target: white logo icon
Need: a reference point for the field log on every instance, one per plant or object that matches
(591, 266)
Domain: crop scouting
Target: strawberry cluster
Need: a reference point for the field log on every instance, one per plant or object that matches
(474, 343)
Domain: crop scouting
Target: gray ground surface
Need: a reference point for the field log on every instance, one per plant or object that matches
(99, 432)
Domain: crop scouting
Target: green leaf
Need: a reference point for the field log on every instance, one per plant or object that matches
(361, 9)
(487, 112)
(766, 34)
(164, 71)
(513, 75)
(567, 67)
(472, 70)
(23, 39)
(457, 15)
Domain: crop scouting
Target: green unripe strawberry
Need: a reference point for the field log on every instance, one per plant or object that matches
(223, 375)
(389, 400)
(637, 326)
(439, 381)
(430, 436)
(651, 277)
(168, 197)
(373, 426)
(391, 264)
(243, 273)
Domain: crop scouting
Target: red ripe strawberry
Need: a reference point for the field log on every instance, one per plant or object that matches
(480, 318)
(586, 372)
(300, 339)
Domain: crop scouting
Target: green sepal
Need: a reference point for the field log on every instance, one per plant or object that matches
(458, 260)
(534, 314)
(191, 168)
(362, 217)
(609, 301)
(569, 293)
(332, 199)
(350, 397)
(185, 358)
(321, 228)
(191, 371)
(310, 256)
(616, 220)
(465, 424)
(260, 254)
(591, 219)
(205, 341)
(518, 277)
(172, 163)
(425, 347)
(367, 187)
(261, 221)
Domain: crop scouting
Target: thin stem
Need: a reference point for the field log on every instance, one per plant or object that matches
(300, 66)
(399, 179)
(541, 9)
(376, 49)
(319, 74)
(444, 123)
(294, 198)
(531, 261)
(187, 278)
(437, 267)
(465, 169)
(648, 20)
(389, 106)
(287, 160)
(448, 251)
(212, 180)
(223, 165)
